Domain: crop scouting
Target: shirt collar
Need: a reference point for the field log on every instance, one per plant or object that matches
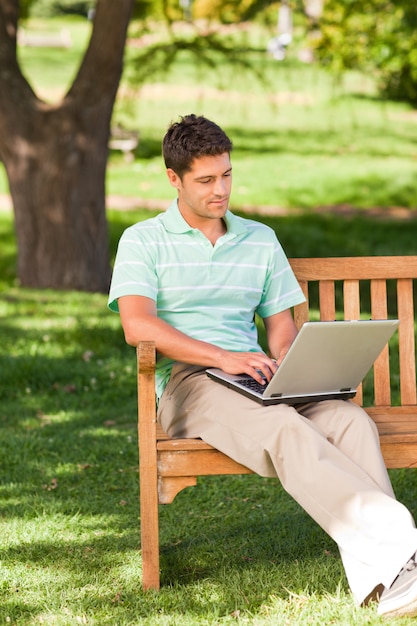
(175, 223)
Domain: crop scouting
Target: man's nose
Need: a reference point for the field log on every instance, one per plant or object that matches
(220, 187)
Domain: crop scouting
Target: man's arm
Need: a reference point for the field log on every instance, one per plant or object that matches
(281, 332)
(140, 322)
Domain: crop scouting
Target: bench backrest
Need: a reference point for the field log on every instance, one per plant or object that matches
(337, 286)
(169, 465)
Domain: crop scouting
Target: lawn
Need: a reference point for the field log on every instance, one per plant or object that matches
(234, 550)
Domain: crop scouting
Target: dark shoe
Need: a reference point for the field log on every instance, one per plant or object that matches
(374, 595)
(401, 597)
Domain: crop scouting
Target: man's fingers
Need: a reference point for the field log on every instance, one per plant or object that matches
(263, 371)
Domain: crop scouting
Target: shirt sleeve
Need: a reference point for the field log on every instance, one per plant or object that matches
(134, 268)
(281, 288)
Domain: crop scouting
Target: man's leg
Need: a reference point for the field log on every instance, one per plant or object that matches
(354, 433)
(348, 427)
(350, 498)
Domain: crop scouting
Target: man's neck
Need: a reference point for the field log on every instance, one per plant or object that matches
(213, 232)
(213, 229)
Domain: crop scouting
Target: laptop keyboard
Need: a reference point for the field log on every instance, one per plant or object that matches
(251, 384)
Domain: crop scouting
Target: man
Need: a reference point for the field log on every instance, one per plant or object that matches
(192, 279)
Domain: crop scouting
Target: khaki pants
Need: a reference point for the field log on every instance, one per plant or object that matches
(326, 455)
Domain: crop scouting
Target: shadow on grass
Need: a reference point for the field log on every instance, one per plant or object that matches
(249, 520)
(70, 488)
(323, 142)
(262, 545)
(338, 133)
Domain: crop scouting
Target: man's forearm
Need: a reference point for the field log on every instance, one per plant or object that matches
(172, 343)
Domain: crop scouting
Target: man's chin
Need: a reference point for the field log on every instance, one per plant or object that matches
(219, 207)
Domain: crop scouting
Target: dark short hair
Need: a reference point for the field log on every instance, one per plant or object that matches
(190, 138)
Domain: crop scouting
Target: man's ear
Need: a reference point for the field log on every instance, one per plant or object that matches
(173, 178)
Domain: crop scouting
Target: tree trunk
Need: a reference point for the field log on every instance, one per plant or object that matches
(56, 157)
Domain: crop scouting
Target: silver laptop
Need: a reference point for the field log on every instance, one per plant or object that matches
(327, 360)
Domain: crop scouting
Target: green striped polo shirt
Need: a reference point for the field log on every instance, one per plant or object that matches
(210, 293)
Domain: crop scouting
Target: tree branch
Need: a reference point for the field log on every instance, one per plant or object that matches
(105, 52)
(15, 91)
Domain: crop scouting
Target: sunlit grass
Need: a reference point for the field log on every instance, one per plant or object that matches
(51, 70)
(233, 549)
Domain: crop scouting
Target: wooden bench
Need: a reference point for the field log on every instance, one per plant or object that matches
(45, 40)
(336, 287)
(124, 140)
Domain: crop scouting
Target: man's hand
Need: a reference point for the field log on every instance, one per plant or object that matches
(255, 364)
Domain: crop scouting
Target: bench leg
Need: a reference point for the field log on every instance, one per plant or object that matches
(148, 471)
(149, 530)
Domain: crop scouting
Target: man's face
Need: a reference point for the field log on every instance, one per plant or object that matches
(204, 191)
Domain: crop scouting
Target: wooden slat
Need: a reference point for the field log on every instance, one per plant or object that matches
(301, 311)
(397, 428)
(190, 462)
(351, 300)
(182, 444)
(382, 388)
(351, 303)
(327, 300)
(406, 341)
(398, 455)
(160, 433)
(147, 465)
(394, 418)
(359, 268)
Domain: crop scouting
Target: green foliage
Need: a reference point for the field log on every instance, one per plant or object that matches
(208, 50)
(231, 11)
(24, 8)
(204, 43)
(399, 64)
(373, 36)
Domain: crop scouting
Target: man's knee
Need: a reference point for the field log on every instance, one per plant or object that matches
(340, 418)
(359, 416)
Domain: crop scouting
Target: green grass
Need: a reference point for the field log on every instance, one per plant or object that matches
(51, 70)
(233, 549)
(351, 151)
